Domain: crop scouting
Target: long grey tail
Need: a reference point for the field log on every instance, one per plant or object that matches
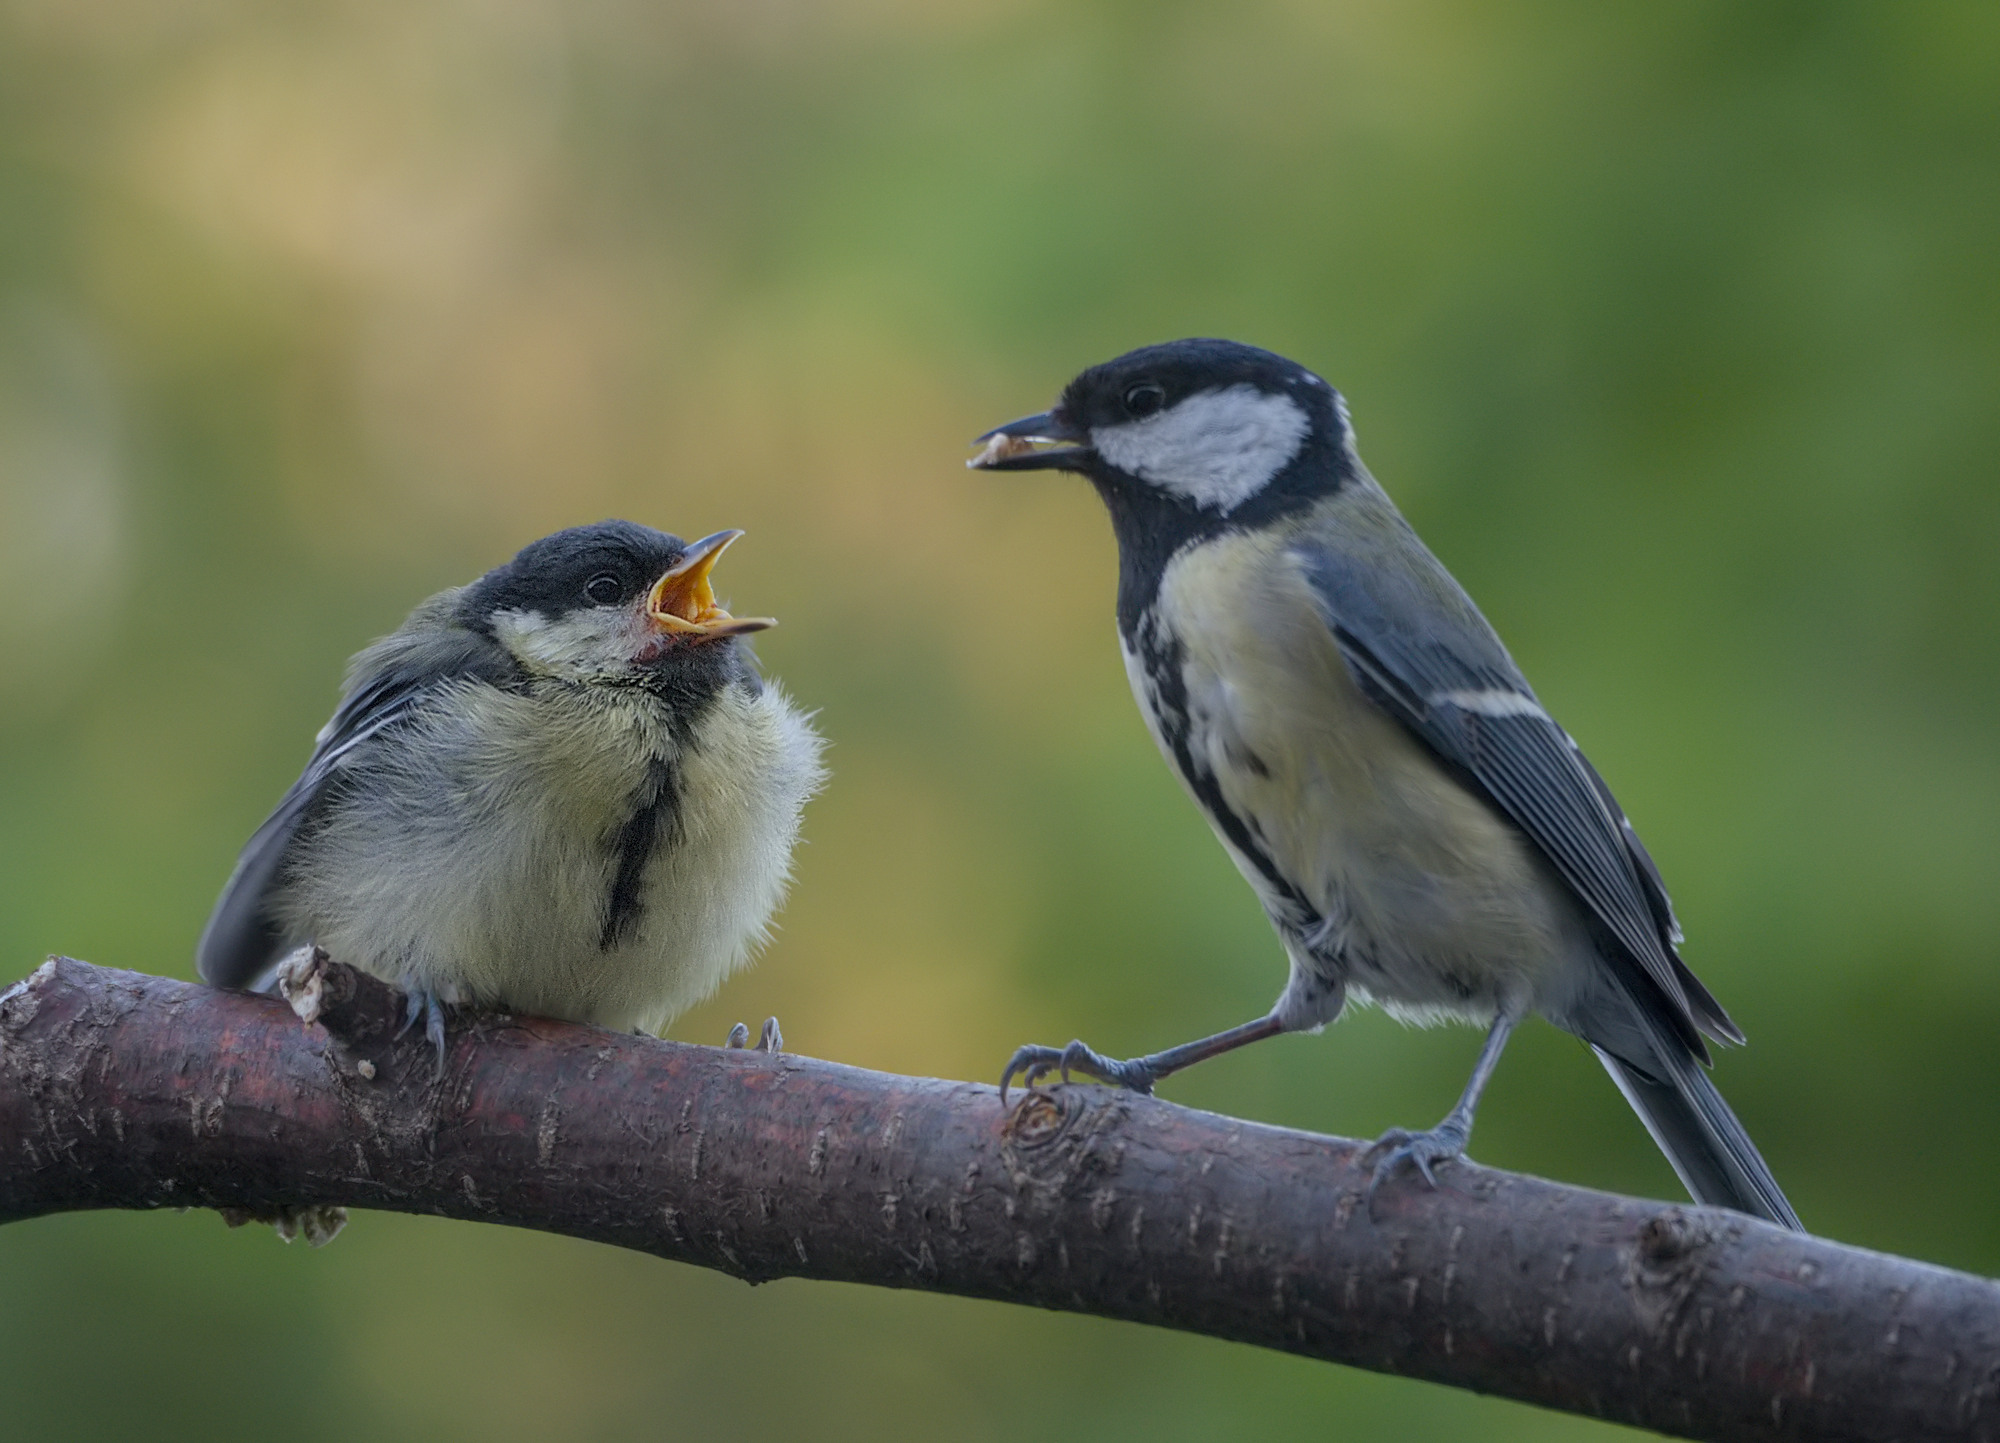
(1701, 1137)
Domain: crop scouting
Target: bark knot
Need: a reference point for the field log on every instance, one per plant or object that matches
(1668, 1236)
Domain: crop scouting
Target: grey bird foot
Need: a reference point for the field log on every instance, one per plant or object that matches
(769, 1040)
(1031, 1064)
(425, 1004)
(1442, 1143)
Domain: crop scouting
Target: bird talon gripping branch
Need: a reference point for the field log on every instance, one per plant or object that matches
(1030, 1064)
(426, 1007)
(1132, 1075)
(1416, 826)
(1420, 1149)
(769, 1040)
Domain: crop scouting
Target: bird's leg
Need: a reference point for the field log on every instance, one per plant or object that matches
(424, 1004)
(1448, 1138)
(1032, 1063)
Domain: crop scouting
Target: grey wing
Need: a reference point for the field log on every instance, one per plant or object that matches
(1420, 649)
(242, 938)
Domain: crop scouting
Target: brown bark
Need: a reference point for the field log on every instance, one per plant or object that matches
(121, 1090)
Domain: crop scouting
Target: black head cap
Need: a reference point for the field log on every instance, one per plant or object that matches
(609, 564)
(1157, 378)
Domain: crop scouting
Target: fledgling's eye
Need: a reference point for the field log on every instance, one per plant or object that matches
(1144, 399)
(604, 589)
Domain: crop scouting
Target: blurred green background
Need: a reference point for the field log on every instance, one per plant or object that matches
(1675, 329)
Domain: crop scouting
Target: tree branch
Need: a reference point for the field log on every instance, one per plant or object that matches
(121, 1090)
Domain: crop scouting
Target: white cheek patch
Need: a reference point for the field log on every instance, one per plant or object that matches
(589, 642)
(1217, 448)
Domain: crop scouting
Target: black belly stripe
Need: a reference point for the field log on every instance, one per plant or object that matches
(1162, 664)
(686, 692)
(655, 811)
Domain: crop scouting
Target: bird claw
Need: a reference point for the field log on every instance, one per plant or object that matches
(1443, 1143)
(1031, 1064)
(425, 1004)
(769, 1040)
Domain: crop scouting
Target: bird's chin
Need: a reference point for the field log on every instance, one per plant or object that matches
(662, 647)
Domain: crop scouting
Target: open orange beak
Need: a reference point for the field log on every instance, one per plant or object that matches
(683, 603)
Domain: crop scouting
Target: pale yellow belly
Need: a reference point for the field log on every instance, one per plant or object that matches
(1431, 900)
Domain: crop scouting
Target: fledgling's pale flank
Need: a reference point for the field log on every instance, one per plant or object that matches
(1421, 834)
(562, 790)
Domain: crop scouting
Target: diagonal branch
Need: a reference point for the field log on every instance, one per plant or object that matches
(121, 1090)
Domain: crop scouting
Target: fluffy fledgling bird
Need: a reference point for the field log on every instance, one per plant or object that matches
(1421, 833)
(562, 790)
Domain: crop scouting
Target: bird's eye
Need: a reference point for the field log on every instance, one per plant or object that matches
(1144, 399)
(604, 589)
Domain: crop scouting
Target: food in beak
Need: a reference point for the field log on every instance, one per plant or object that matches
(683, 603)
(1000, 447)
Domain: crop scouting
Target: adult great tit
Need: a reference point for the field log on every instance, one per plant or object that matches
(1421, 833)
(562, 790)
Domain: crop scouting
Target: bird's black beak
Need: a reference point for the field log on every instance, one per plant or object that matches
(1012, 447)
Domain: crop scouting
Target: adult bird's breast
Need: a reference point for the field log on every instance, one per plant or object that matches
(1415, 884)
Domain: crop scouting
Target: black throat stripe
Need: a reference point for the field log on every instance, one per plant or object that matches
(1153, 525)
